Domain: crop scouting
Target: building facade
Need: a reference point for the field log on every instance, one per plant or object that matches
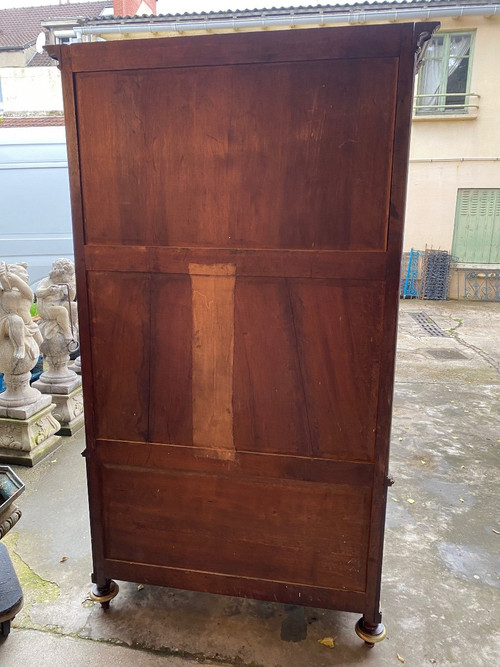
(454, 177)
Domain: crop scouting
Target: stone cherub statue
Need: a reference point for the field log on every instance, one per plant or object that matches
(19, 335)
(59, 327)
(56, 303)
(16, 323)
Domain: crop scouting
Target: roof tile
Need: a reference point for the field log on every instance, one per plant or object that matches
(32, 121)
(19, 27)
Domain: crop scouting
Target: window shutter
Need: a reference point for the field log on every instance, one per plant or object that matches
(477, 226)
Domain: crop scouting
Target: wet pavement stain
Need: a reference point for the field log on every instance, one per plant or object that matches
(471, 562)
(294, 626)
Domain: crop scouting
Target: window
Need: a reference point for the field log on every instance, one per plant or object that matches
(443, 81)
(65, 39)
(477, 226)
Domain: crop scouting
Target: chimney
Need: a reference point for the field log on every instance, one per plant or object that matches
(134, 7)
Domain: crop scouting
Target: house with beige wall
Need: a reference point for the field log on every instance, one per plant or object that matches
(454, 178)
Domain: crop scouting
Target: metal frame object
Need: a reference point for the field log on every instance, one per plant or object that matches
(11, 487)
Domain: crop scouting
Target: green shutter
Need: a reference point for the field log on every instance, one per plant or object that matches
(477, 226)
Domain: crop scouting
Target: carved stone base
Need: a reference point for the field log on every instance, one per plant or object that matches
(46, 385)
(26, 441)
(25, 411)
(69, 411)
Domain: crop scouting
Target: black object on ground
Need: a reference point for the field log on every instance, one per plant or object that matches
(11, 595)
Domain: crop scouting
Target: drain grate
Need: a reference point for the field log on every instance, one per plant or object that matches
(428, 325)
(443, 353)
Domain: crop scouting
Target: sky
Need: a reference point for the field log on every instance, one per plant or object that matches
(180, 6)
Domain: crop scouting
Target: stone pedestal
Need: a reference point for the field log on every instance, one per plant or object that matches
(26, 441)
(68, 400)
(69, 411)
(13, 411)
(57, 378)
(47, 385)
(19, 394)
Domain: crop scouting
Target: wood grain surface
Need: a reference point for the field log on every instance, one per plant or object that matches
(238, 208)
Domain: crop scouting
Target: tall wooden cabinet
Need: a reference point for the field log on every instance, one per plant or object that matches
(238, 206)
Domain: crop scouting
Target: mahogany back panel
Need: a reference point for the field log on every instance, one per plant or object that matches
(238, 207)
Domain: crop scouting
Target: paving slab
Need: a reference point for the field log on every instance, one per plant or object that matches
(441, 578)
(43, 649)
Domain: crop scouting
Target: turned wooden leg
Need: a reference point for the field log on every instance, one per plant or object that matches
(105, 593)
(370, 633)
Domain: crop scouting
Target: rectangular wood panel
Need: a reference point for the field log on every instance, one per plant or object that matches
(305, 380)
(269, 407)
(240, 157)
(120, 322)
(239, 526)
(339, 339)
(170, 370)
(212, 50)
(212, 293)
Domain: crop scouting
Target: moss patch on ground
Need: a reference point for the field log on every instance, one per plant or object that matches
(35, 589)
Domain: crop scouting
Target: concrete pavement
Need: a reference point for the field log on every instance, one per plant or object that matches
(441, 579)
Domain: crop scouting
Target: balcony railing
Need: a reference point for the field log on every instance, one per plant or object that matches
(443, 105)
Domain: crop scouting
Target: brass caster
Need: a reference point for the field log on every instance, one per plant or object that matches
(105, 594)
(371, 635)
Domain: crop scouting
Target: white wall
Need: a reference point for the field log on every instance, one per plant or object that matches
(31, 89)
(35, 216)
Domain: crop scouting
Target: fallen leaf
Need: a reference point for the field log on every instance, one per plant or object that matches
(455, 437)
(54, 461)
(400, 658)
(395, 499)
(497, 532)
(410, 500)
(462, 500)
(327, 641)
(140, 587)
(63, 559)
